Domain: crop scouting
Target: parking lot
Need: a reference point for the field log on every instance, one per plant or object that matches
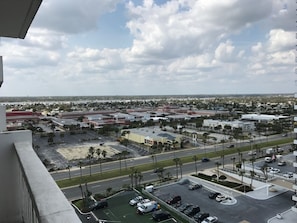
(119, 210)
(245, 207)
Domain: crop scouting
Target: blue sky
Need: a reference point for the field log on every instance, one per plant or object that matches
(161, 47)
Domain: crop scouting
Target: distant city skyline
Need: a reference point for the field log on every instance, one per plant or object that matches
(161, 47)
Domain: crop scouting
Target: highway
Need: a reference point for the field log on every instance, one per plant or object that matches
(74, 192)
(75, 171)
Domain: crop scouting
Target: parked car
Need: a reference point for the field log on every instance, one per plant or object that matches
(183, 207)
(221, 197)
(194, 186)
(210, 219)
(205, 159)
(143, 202)
(174, 200)
(98, 205)
(213, 195)
(135, 200)
(281, 163)
(201, 216)
(288, 174)
(252, 153)
(231, 146)
(148, 207)
(192, 210)
(161, 215)
(274, 170)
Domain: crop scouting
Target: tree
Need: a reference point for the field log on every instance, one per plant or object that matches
(180, 168)
(80, 165)
(264, 169)
(243, 164)
(108, 191)
(90, 156)
(195, 158)
(253, 174)
(98, 152)
(176, 161)
(241, 173)
(253, 159)
(233, 162)
(104, 153)
(218, 164)
(68, 167)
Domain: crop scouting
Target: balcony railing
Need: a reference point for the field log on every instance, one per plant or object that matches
(42, 200)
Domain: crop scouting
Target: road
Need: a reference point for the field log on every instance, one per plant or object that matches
(73, 193)
(75, 172)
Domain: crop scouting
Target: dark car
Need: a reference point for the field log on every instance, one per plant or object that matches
(194, 186)
(231, 146)
(159, 170)
(201, 216)
(174, 200)
(213, 195)
(183, 207)
(205, 159)
(99, 205)
(192, 210)
(161, 215)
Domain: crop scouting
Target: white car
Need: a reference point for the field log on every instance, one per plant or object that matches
(274, 170)
(143, 202)
(135, 200)
(221, 197)
(210, 219)
(252, 153)
(288, 174)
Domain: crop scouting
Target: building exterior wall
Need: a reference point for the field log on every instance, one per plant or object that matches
(28, 192)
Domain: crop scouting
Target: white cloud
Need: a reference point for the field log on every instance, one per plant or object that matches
(179, 46)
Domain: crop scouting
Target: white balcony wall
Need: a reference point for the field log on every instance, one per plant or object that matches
(28, 192)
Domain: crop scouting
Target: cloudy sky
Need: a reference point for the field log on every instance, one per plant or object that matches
(153, 47)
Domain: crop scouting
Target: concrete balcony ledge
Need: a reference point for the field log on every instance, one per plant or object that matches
(46, 198)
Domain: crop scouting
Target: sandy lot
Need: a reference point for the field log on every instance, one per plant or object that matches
(75, 152)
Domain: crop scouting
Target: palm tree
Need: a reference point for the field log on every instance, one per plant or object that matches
(98, 152)
(241, 173)
(253, 174)
(253, 159)
(68, 167)
(233, 162)
(80, 165)
(131, 175)
(108, 190)
(218, 164)
(243, 164)
(176, 161)
(90, 156)
(223, 160)
(264, 170)
(140, 177)
(120, 161)
(125, 153)
(195, 158)
(104, 153)
(180, 167)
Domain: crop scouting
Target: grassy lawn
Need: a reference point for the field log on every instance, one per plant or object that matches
(145, 167)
